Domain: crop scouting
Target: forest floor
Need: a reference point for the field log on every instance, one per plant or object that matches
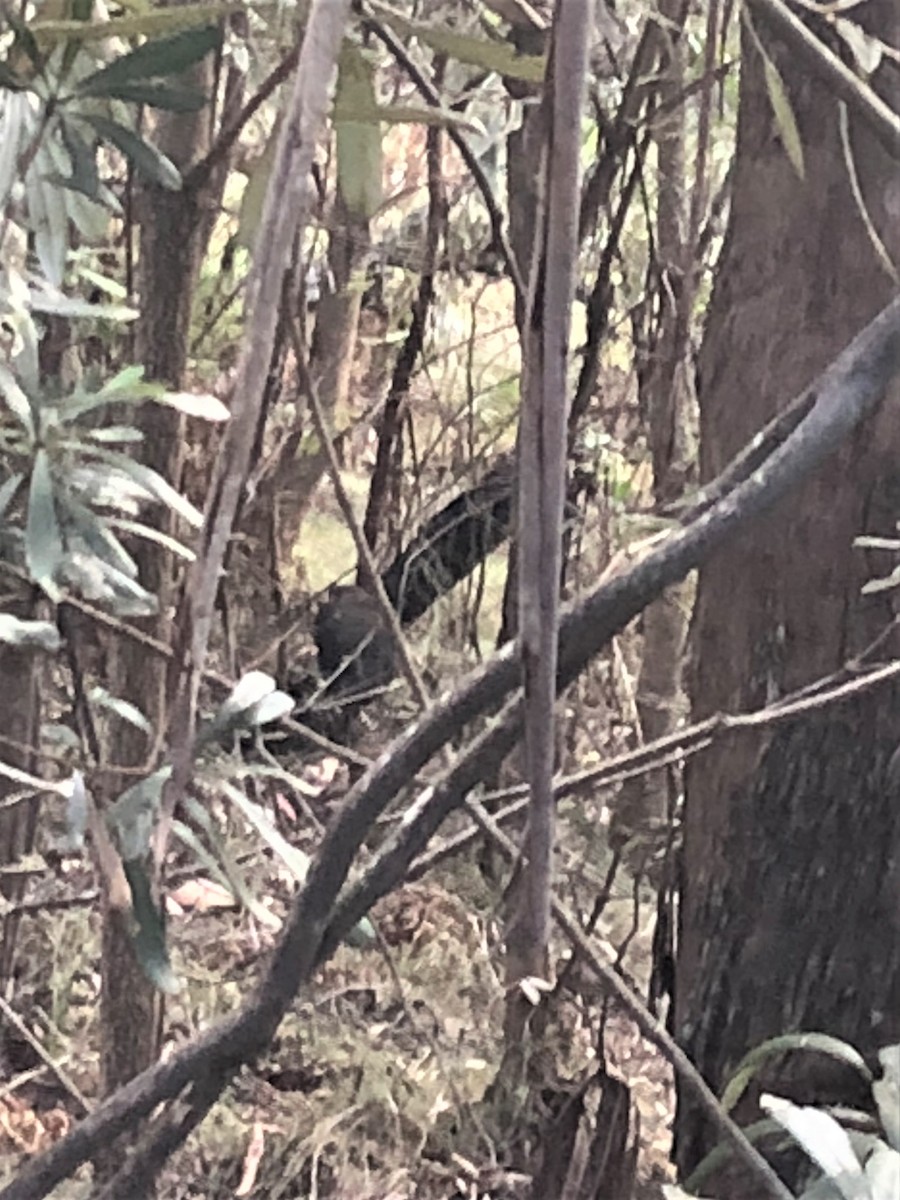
(378, 1086)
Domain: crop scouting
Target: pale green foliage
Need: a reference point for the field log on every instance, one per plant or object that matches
(847, 1162)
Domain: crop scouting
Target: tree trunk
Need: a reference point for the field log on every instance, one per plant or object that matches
(789, 909)
(174, 233)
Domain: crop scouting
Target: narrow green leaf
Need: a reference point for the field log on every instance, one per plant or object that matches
(8, 492)
(295, 860)
(784, 118)
(146, 158)
(154, 535)
(16, 400)
(124, 709)
(102, 582)
(157, 487)
(43, 635)
(48, 218)
(723, 1152)
(139, 24)
(127, 387)
(124, 380)
(25, 40)
(882, 585)
(43, 301)
(159, 95)
(9, 79)
(133, 815)
(824, 1140)
(85, 177)
(98, 539)
(159, 58)
(150, 936)
(886, 1094)
(202, 405)
(868, 51)
(258, 172)
(359, 166)
(114, 435)
(227, 867)
(785, 121)
(109, 287)
(820, 1043)
(76, 812)
(484, 53)
(43, 540)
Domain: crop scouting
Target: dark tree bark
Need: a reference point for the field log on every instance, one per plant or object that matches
(789, 909)
(175, 228)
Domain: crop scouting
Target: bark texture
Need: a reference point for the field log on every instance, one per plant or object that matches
(790, 907)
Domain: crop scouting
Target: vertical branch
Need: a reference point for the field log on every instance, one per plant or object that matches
(395, 404)
(285, 211)
(543, 457)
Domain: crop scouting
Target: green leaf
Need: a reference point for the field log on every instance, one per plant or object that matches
(723, 1152)
(53, 301)
(781, 105)
(295, 860)
(133, 815)
(160, 95)
(866, 49)
(155, 59)
(150, 936)
(42, 635)
(114, 435)
(76, 812)
(146, 158)
(120, 708)
(140, 24)
(85, 177)
(80, 403)
(155, 485)
(824, 1140)
(886, 1094)
(98, 539)
(487, 55)
(258, 173)
(43, 540)
(882, 585)
(125, 380)
(820, 1043)
(9, 79)
(222, 864)
(8, 492)
(253, 702)
(784, 118)
(202, 405)
(154, 535)
(16, 400)
(359, 165)
(25, 39)
(17, 127)
(109, 287)
(47, 216)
